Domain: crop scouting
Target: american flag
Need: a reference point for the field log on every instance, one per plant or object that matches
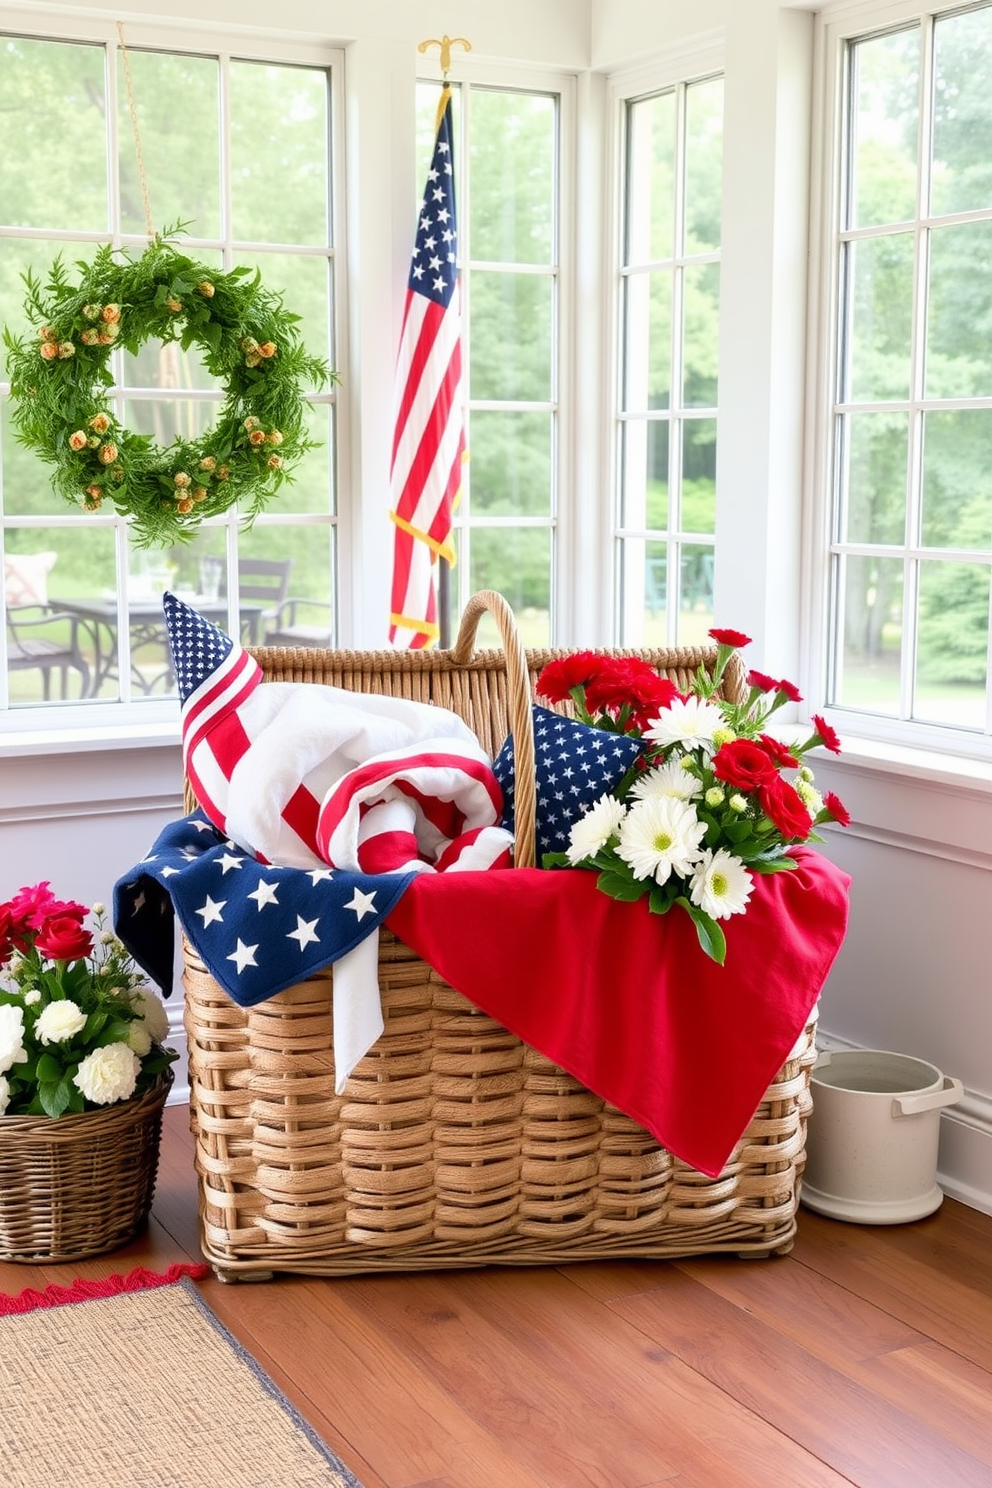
(429, 434)
(308, 776)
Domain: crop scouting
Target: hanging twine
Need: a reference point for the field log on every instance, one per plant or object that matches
(132, 110)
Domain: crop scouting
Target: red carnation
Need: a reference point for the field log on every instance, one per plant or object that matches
(730, 637)
(743, 764)
(790, 689)
(63, 938)
(828, 736)
(576, 670)
(630, 683)
(838, 811)
(777, 751)
(784, 807)
(762, 681)
(29, 907)
(6, 938)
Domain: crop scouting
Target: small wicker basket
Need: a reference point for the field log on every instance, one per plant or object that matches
(453, 1143)
(81, 1185)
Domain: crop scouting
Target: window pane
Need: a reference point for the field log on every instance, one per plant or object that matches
(959, 352)
(703, 165)
(162, 364)
(952, 659)
(644, 484)
(279, 182)
(18, 256)
(957, 479)
(510, 468)
(877, 451)
(962, 125)
(178, 113)
(54, 106)
(169, 420)
(647, 341)
(650, 186)
(512, 160)
(696, 593)
(82, 586)
(27, 485)
(882, 306)
(516, 561)
(511, 326)
(702, 334)
(644, 593)
(872, 634)
(698, 475)
(311, 485)
(884, 128)
(307, 603)
(302, 282)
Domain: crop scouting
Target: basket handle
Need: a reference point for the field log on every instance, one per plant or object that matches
(519, 707)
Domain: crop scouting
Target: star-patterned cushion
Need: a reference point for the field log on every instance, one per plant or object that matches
(575, 764)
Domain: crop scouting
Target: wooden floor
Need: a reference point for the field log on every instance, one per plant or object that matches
(864, 1357)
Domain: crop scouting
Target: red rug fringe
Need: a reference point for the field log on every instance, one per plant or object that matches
(81, 1290)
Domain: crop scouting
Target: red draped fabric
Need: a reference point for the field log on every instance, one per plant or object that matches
(625, 1000)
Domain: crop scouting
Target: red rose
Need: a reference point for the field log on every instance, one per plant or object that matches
(762, 681)
(784, 807)
(777, 751)
(730, 637)
(838, 811)
(63, 938)
(559, 677)
(743, 764)
(828, 736)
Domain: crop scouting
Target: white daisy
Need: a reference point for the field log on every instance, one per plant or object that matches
(721, 885)
(690, 721)
(669, 779)
(594, 830)
(660, 837)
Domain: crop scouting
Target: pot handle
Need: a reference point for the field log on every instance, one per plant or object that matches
(931, 1100)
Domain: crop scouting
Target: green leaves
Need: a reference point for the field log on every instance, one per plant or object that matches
(711, 937)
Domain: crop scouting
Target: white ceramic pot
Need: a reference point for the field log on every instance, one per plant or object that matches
(871, 1142)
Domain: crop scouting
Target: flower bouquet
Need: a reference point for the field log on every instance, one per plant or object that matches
(712, 799)
(78, 1027)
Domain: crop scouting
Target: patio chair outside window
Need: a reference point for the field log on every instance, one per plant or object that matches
(39, 636)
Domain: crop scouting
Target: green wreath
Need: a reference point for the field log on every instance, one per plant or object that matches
(59, 380)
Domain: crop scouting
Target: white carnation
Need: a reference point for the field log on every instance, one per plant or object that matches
(4, 1093)
(138, 1038)
(108, 1075)
(59, 1021)
(151, 1010)
(12, 1050)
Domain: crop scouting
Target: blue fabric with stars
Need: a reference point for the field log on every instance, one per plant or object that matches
(434, 266)
(197, 646)
(258, 929)
(574, 765)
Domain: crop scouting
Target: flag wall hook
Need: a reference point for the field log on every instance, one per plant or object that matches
(445, 42)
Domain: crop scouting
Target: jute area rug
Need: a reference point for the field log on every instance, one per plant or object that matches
(146, 1389)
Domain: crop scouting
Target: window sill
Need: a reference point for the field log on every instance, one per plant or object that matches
(75, 730)
(884, 757)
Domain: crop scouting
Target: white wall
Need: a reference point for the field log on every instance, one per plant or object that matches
(913, 975)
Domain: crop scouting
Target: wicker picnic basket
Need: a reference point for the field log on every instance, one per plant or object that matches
(453, 1143)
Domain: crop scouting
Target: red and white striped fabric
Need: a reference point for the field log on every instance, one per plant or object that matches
(307, 776)
(429, 434)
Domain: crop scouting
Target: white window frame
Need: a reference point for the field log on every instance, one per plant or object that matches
(678, 69)
(915, 744)
(68, 726)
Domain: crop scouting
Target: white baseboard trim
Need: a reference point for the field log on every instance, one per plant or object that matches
(964, 1170)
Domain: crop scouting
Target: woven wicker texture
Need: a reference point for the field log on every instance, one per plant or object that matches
(147, 1390)
(453, 1144)
(82, 1185)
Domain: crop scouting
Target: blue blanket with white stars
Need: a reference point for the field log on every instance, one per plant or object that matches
(257, 928)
